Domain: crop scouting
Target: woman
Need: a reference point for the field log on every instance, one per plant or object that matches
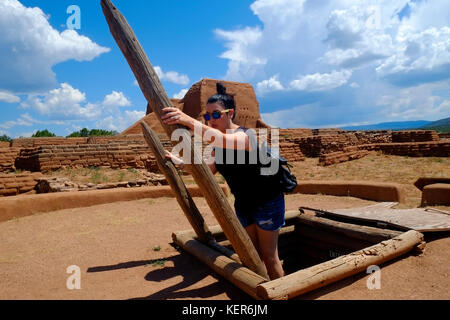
(259, 203)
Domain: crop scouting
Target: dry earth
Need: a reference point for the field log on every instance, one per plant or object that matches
(124, 249)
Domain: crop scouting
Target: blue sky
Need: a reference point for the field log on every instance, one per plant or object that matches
(313, 63)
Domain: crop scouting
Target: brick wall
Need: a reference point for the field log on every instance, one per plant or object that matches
(113, 155)
(11, 185)
(7, 159)
(36, 142)
(291, 152)
(415, 136)
(348, 154)
(413, 149)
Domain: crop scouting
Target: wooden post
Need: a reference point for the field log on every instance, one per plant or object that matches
(176, 183)
(156, 96)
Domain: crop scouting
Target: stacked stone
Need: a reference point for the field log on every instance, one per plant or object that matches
(120, 156)
(56, 184)
(15, 184)
(370, 137)
(4, 144)
(36, 142)
(348, 154)
(327, 131)
(8, 158)
(414, 149)
(414, 136)
(289, 135)
(443, 136)
(313, 147)
(291, 152)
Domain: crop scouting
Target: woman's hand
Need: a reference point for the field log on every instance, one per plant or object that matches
(173, 158)
(175, 116)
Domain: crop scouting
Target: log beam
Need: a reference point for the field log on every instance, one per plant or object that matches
(157, 98)
(182, 195)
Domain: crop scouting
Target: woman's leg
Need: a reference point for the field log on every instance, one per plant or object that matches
(252, 233)
(268, 251)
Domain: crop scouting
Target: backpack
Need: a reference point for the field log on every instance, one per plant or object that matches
(287, 180)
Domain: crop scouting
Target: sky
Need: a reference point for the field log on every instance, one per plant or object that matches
(312, 63)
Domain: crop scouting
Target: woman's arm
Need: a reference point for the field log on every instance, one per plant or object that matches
(237, 141)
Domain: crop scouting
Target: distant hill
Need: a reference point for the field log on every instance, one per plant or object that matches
(403, 125)
(442, 125)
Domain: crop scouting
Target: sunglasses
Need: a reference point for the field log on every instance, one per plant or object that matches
(216, 114)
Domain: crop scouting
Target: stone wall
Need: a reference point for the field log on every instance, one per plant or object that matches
(348, 154)
(291, 152)
(5, 144)
(36, 142)
(412, 149)
(414, 136)
(113, 155)
(289, 135)
(7, 159)
(314, 146)
(444, 136)
(15, 184)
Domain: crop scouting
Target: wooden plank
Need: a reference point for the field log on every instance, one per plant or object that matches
(182, 194)
(156, 96)
(342, 267)
(234, 272)
(418, 219)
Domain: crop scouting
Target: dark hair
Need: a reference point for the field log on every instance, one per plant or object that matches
(224, 99)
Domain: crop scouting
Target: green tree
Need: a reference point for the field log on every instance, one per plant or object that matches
(43, 134)
(92, 133)
(5, 138)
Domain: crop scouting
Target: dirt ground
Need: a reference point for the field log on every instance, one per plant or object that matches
(124, 251)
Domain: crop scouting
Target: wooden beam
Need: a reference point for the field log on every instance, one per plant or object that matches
(342, 267)
(370, 234)
(182, 194)
(156, 96)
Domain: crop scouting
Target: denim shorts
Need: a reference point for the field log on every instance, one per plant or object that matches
(268, 216)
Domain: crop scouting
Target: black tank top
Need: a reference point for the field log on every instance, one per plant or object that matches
(242, 171)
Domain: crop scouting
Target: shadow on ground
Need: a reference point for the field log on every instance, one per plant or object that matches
(192, 271)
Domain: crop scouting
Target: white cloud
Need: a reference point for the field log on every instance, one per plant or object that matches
(270, 85)
(181, 94)
(416, 103)
(376, 46)
(426, 50)
(116, 99)
(8, 97)
(172, 76)
(64, 103)
(31, 47)
(321, 82)
(120, 122)
(243, 60)
(25, 120)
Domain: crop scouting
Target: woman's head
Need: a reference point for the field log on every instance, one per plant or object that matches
(221, 109)
(223, 99)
